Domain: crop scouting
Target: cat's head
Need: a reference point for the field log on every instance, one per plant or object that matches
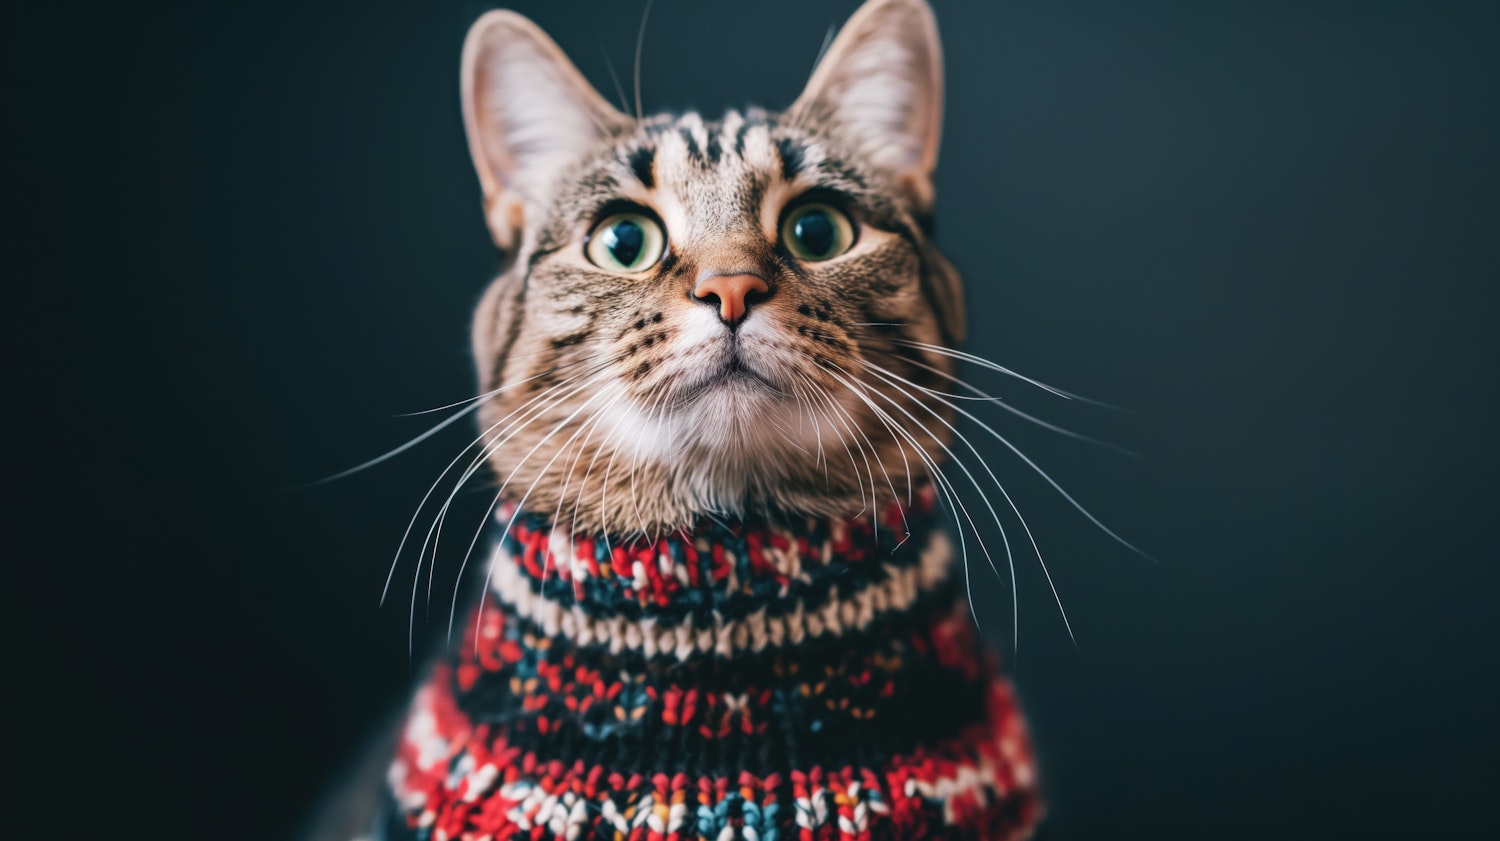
(712, 316)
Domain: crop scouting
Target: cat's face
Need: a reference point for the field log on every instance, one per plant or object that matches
(712, 316)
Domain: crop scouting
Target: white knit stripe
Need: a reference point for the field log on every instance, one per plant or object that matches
(894, 594)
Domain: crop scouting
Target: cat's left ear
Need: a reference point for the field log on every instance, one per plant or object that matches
(880, 85)
(528, 112)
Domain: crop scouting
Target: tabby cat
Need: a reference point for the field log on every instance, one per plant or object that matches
(714, 378)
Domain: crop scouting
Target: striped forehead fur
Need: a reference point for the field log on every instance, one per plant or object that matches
(718, 166)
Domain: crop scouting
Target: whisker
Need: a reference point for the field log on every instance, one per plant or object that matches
(640, 42)
(1042, 473)
(614, 77)
(592, 425)
(807, 414)
(837, 431)
(489, 575)
(583, 483)
(995, 366)
(792, 442)
(435, 531)
(827, 42)
(817, 433)
(582, 428)
(474, 402)
(873, 451)
(854, 388)
(988, 398)
(513, 356)
(431, 489)
(860, 441)
(655, 398)
(1009, 501)
(906, 465)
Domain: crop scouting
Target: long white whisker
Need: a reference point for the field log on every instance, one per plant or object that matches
(475, 403)
(595, 376)
(804, 399)
(614, 77)
(900, 448)
(850, 424)
(827, 40)
(658, 412)
(1042, 473)
(582, 428)
(1009, 501)
(994, 366)
(982, 396)
(433, 488)
(514, 356)
(833, 423)
(640, 42)
(519, 506)
(592, 425)
(435, 531)
(854, 388)
(873, 451)
(584, 482)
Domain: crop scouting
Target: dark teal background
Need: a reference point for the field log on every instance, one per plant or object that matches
(245, 235)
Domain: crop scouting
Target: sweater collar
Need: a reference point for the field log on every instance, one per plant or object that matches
(716, 563)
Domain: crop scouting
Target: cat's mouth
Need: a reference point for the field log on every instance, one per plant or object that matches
(733, 374)
(736, 370)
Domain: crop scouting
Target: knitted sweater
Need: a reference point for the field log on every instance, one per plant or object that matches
(767, 681)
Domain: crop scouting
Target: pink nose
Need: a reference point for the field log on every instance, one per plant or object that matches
(732, 293)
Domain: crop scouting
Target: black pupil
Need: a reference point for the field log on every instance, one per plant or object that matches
(625, 239)
(815, 231)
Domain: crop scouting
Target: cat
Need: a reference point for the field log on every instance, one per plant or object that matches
(712, 380)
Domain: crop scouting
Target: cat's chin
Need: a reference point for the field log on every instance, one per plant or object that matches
(733, 418)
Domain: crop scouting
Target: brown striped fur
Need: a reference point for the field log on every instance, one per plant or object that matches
(627, 405)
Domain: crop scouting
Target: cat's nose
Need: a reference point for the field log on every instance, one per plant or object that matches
(731, 294)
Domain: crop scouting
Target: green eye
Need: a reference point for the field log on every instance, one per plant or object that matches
(626, 242)
(817, 232)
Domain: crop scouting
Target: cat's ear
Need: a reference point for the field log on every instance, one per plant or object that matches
(880, 85)
(527, 112)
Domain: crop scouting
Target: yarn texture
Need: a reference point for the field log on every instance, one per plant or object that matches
(782, 679)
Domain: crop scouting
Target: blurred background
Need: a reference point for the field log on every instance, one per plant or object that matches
(248, 235)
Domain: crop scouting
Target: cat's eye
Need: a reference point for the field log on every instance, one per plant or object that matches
(626, 242)
(817, 232)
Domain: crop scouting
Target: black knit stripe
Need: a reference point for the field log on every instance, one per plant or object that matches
(789, 741)
(863, 700)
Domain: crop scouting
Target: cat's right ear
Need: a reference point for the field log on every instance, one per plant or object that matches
(880, 84)
(527, 113)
